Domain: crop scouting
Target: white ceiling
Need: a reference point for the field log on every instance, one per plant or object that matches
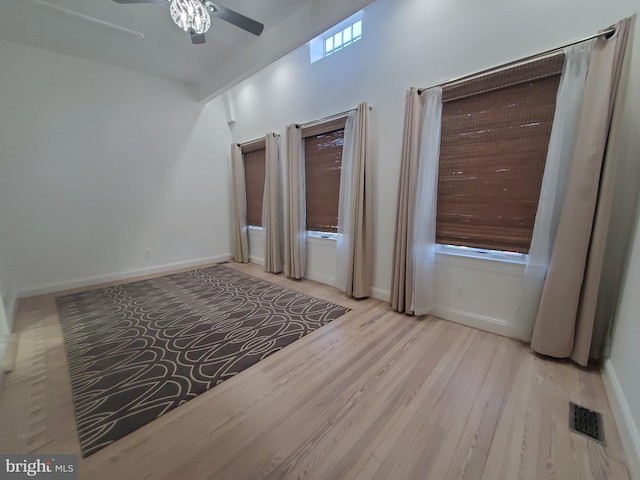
(229, 56)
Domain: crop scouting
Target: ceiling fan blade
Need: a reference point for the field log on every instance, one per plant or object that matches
(235, 18)
(129, 2)
(198, 39)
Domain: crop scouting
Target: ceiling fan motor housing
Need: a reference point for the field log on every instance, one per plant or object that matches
(190, 15)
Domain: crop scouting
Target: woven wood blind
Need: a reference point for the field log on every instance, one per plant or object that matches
(324, 127)
(494, 141)
(254, 167)
(323, 162)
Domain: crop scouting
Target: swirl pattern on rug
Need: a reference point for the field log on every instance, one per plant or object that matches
(137, 350)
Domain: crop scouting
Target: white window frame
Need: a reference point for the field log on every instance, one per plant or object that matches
(323, 235)
(472, 252)
(317, 46)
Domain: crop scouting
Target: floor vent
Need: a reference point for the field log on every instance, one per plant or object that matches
(586, 422)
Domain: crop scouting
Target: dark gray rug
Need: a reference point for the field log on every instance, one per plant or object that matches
(136, 351)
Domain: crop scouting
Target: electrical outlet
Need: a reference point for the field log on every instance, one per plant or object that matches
(147, 253)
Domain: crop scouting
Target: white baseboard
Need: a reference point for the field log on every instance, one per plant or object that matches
(481, 322)
(380, 294)
(377, 293)
(256, 260)
(112, 277)
(627, 429)
(325, 279)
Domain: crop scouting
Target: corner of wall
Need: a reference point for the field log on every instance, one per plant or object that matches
(628, 430)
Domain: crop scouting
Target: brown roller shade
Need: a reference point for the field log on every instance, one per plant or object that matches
(323, 161)
(254, 166)
(493, 151)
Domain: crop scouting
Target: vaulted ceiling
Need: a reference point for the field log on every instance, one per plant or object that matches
(143, 37)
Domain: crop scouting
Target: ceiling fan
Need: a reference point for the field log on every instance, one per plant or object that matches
(194, 16)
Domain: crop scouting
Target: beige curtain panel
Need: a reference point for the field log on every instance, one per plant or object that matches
(355, 229)
(271, 205)
(402, 275)
(566, 325)
(239, 220)
(295, 246)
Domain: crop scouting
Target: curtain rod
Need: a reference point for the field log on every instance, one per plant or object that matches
(330, 117)
(608, 33)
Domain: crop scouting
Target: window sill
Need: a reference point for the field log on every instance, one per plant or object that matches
(322, 238)
(490, 255)
(323, 235)
(254, 228)
(481, 261)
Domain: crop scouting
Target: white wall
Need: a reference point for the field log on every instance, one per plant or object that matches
(416, 43)
(100, 164)
(306, 20)
(621, 369)
(256, 245)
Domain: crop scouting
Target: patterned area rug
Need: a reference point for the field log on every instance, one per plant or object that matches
(138, 350)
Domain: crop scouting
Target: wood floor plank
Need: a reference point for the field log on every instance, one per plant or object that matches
(395, 393)
(338, 414)
(372, 395)
(390, 444)
(504, 455)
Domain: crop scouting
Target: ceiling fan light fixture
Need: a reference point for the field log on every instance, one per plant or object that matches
(190, 15)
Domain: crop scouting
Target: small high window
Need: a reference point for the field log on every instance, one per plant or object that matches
(336, 38)
(343, 38)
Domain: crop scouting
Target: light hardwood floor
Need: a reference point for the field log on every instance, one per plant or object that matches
(372, 395)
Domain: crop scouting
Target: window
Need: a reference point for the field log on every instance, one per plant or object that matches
(343, 38)
(323, 162)
(342, 35)
(254, 154)
(494, 141)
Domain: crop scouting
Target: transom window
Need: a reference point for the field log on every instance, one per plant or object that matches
(337, 38)
(345, 37)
